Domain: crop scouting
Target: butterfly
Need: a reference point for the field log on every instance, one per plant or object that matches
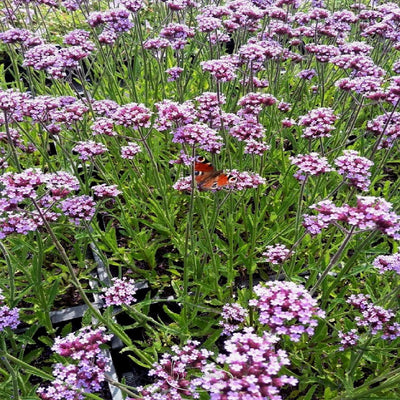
(207, 178)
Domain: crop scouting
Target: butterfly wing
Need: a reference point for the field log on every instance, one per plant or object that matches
(208, 178)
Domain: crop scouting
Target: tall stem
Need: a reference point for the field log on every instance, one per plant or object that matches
(334, 260)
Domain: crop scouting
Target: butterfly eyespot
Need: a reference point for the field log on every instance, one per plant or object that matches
(200, 159)
(232, 179)
(214, 185)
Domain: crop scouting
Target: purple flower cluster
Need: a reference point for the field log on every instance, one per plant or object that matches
(128, 152)
(53, 60)
(255, 147)
(245, 180)
(171, 373)
(116, 22)
(375, 318)
(121, 292)
(105, 191)
(103, 126)
(286, 308)
(370, 213)
(89, 149)
(348, 339)
(355, 169)
(310, 164)
(18, 189)
(387, 125)
(79, 208)
(249, 369)
(233, 315)
(388, 263)
(86, 373)
(318, 123)
(174, 73)
(222, 70)
(173, 115)
(9, 317)
(252, 103)
(132, 115)
(276, 254)
(199, 134)
(177, 35)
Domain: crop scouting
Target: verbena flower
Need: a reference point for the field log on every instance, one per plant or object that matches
(245, 180)
(60, 184)
(355, 169)
(22, 185)
(89, 149)
(370, 213)
(387, 125)
(171, 373)
(105, 191)
(223, 69)
(105, 107)
(128, 152)
(103, 126)
(323, 52)
(177, 34)
(318, 123)
(133, 5)
(183, 184)
(199, 134)
(276, 254)
(9, 317)
(249, 369)
(172, 114)
(388, 263)
(79, 208)
(310, 164)
(247, 129)
(121, 292)
(17, 222)
(132, 115)
(255, 147)
(286, 308)
(209, 108)
(86, 373)
(252, 104)
(348, 339)
(375, 318)
(307, 74)
(233, 315)
(174, 73)
(79, 37)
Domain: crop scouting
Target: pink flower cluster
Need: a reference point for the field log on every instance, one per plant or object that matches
(310, 164)
(248, 370)
(89, 149)
(355, 168)
(318, 123)
(370, 213)
(388, 263)
(9, 317)
(276, 254)
(121, 292)
(171, 373)
(286, 308)
(233, 315)
(86, 374)
(199, 134)
(348, 339)
(375, 318)
(79, 208)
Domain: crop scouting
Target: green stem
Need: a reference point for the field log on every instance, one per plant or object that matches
(334, 260)
(113, 327)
